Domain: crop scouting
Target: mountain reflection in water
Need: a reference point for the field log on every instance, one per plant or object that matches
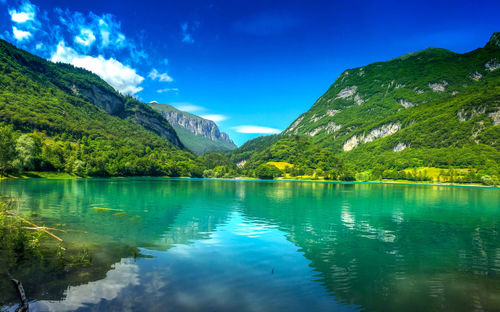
(270, 246)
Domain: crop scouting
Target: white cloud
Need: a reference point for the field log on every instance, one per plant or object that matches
(25, 13)
(21, 17)
(109, 30)
(104, 29)
(153, 102)
(188, 107)
(86, 32)
(215, 117)
(120, 40)
(154, 74)
(122, 274)
(20, 35)
(85, 38)
(119, 76)
(256, 129)
(175, 90)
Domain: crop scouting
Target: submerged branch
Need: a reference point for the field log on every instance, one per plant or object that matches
(43, 228)
(40, 228)
(52, 229)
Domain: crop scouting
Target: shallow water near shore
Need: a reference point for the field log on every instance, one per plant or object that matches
(162, 244)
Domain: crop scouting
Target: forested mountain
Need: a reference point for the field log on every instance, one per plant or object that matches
(77, 122)
(432, 108)
(26, 75)
(430, 115)
(397, 96)
(198, 134)
(253, 146)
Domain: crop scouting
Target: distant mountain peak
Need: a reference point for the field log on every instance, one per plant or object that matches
(424, 52)
(388, 99)
(494, 40)
(185, 123)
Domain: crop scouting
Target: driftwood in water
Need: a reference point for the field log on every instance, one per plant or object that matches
(53, 229)
(23, 307)
(41, 228)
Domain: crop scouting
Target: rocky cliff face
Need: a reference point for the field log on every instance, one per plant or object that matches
(383, 131)
(135, 111)
(156, 126)
(145, 116)
(108, 101)
(196, 125)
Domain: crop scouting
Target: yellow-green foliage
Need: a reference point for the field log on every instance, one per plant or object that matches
(440, 174)
(281, 165)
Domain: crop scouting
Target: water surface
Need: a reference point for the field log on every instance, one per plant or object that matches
(208, 245)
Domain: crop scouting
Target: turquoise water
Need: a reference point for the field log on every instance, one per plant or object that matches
(208, 245)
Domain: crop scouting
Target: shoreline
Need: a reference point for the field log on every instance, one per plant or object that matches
(66, 176)
(394, 182)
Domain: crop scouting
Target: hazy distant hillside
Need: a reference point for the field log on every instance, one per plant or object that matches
(197, 134)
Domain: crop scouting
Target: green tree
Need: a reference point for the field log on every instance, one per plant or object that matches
(79, 168)
(7, 148)
(266, 171)
(26, 152)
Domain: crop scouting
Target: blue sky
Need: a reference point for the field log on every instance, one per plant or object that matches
(251, 66)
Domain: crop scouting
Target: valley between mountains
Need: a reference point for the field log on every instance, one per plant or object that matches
(427, 116)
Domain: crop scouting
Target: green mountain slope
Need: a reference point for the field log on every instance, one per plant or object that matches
(26, 75)
(199, 135)
(77, 117)
(252, 147)
(427, 83)
(431, 108)
(199, 144)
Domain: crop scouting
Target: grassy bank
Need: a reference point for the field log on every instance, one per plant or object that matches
(384, 181)
(48, 175)
(433, 176)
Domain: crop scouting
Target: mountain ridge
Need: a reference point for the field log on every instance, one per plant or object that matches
(430, 108)
(412, 81)
(201, 128)
(73, 121)
(427, 109)
(85, 85)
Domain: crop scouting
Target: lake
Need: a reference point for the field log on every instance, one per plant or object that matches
(160, 244)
